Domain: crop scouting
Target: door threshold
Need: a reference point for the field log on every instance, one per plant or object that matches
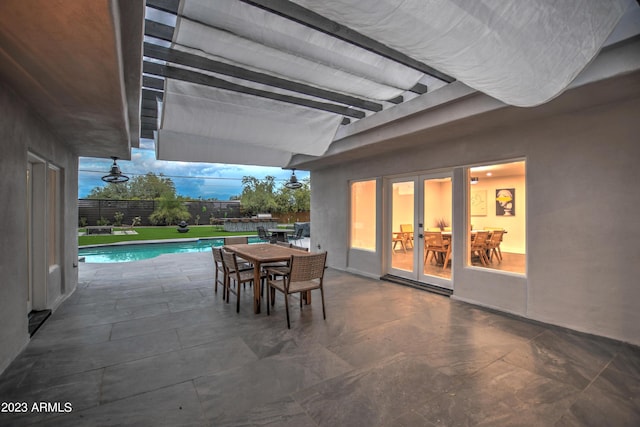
(418, 285)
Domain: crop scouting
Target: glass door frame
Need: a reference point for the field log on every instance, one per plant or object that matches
(413, 274)
(442, 282)
(419, 227)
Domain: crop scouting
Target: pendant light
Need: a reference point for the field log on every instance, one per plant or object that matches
(115, 176)
(293, 182)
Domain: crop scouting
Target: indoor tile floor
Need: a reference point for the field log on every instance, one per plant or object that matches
(148, 343)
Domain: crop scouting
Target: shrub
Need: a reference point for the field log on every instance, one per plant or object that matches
(117, 218)
(170, 211)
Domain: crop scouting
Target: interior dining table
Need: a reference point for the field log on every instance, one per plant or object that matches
(259, 254)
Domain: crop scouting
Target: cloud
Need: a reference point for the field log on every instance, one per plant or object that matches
(206, 180)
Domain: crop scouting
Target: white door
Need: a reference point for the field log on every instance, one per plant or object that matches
(435, 213)
(36, 234)
(29, 242)
(402, 253)
(418, 205)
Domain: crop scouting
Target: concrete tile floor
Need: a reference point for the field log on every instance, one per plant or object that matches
(149, 343)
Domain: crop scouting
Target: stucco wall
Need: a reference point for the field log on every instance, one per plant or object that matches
(21, 132)
(583, 226)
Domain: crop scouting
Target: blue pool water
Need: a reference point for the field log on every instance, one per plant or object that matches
(137, 252)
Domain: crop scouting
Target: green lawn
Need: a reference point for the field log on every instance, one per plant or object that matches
(157, 233)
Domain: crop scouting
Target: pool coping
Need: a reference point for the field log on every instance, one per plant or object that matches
(142, 242)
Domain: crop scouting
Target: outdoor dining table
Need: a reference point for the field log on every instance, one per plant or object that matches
(258, 254)
(281, 235)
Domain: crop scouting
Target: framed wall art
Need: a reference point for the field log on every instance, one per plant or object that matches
(505, 202)
(478, 202)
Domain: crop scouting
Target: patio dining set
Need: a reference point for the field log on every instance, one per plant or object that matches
(273, 266)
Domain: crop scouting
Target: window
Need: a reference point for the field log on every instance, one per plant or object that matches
(497, 216)
(363, 215)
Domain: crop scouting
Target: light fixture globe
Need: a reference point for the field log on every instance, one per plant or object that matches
(115, 176)
(293, 182)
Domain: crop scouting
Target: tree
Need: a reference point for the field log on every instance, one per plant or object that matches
(261, 196)
(258, 196)
(110, 191)
(142, 187)
(151, 186)
(170, 210)
(298, 200)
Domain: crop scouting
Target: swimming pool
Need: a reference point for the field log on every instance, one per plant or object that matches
(137, 252)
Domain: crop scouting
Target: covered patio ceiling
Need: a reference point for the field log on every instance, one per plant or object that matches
(259, 82)
(77, 64)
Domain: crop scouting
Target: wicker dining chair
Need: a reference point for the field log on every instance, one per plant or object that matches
(236, 274)
(297, 236)
(220, 275)
(281, 268)
(236, 240)
(306, 273)
(493, 244)
(264, 236)
(479, 246)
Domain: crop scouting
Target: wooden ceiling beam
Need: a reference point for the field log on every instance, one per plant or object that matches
(158, 30)
(152, 94)
(170, 6)
(419, 88)
(149, 103)
(150, 121)
(306, 17)
(148, 112)
(152, 82)
(146, 133)
(194, 61)
(203, 79)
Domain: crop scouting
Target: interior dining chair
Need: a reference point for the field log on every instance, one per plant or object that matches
(306, 273)
(479, 246)
(493, 244)
(435, 245)
(407, 230)
(398, 238)
(237, 275)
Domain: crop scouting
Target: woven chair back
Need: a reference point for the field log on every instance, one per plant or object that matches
(236, 240)
(307, 267)
(230, 262)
